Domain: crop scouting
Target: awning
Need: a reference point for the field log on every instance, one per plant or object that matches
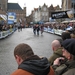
(3, 17)
(65, 22)
(50, 22)
(72, 21)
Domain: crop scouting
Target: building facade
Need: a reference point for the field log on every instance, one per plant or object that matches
(40, 14)
(44, 13)
(15, 7)
(3, 6)
(6, 7)
(36, 15)
(68, 5)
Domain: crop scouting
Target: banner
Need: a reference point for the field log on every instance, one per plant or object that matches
(62, 14)
(11, 17)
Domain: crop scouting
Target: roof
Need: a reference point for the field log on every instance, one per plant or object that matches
(14, 6)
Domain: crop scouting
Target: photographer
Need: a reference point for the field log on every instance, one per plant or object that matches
(62, 67)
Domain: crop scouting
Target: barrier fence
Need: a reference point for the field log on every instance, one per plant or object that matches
(4, 34)
(54, 31)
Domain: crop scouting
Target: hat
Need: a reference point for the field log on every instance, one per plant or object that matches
(69, 45)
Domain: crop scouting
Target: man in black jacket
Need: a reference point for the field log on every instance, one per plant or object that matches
(29, 63)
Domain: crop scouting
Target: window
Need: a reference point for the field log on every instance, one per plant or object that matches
(44, 8)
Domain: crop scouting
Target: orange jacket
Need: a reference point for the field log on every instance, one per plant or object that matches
(23, 72)
(51, 71)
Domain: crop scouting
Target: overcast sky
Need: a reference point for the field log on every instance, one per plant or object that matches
(31, 4)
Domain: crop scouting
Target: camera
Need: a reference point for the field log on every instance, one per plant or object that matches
(61, 61)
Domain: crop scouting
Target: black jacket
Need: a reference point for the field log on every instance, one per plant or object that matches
(36, 65)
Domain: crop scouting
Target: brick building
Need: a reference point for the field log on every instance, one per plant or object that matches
(13, 7)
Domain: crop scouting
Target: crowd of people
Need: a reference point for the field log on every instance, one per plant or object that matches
(5, 27)
(52, 27)
(62, 26)
(62, 61)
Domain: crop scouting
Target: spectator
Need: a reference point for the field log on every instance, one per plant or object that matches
(66, 35)
(57, 50)
(73, 35)
(28, 63)
(66, 68)
(72, 31)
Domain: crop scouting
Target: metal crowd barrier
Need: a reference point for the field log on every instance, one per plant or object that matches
(54, 31)
(4, 34)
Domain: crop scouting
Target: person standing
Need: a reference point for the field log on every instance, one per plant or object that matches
(34, 29)
(66, 35)
(37, 29)
(18, 24)
(57, 50)
(41, 29)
